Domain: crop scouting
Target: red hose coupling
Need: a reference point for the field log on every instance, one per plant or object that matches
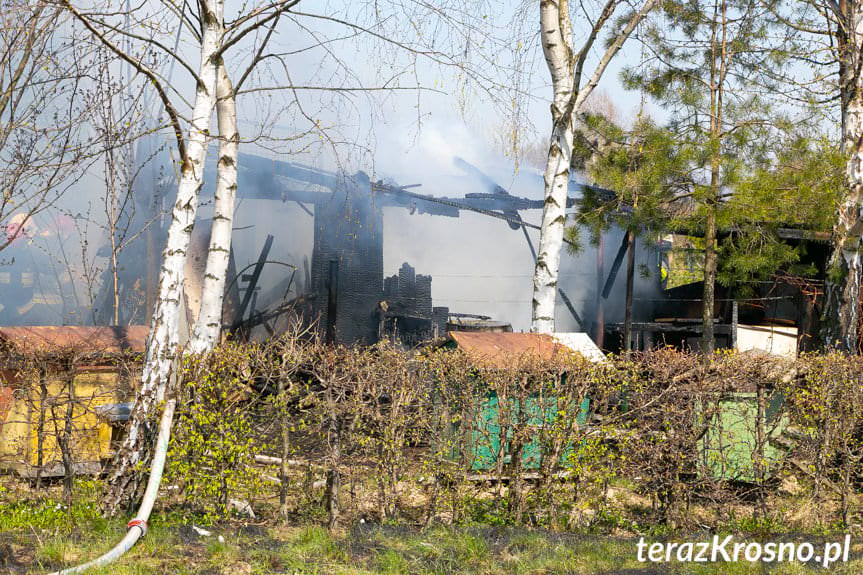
(138, 523)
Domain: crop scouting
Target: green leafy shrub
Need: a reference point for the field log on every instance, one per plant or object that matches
(212, 450)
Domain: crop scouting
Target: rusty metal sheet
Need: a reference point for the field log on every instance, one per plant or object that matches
(100, 340)
(502, 348)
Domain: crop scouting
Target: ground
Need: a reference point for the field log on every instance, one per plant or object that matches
(173, 546)
(40, 534)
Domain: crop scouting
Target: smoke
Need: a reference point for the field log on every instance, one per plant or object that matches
(479, 264)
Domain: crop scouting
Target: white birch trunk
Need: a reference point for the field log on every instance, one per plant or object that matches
(556, 37)
(569, 97)
(193, 276)
(163, 339)
(209, 322)
(842, 308)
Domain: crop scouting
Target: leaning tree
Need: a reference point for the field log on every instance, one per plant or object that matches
(234, 56)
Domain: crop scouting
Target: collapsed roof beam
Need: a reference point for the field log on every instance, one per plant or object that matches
(515, 223)
(254, 277)
(615, 267)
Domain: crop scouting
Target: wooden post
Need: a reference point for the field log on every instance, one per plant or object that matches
(599, 328)
(65, 440)
(40, 426)
(332, 301)
(734, 324)
(760, 440)
(630, 279)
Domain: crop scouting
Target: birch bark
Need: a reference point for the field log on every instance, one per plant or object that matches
(209, 322)
(842, 308)
(566, 68)
(163, 339)
(556, 36)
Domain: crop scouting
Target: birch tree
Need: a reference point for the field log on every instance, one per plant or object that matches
(163, 339)
(843, 289)
(246, 36)
(209, 322)
(824, 39)
(835, 34)
(379, 29)
(570, 92)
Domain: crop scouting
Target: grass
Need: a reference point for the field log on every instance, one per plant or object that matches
(41, 535)
(312, 550)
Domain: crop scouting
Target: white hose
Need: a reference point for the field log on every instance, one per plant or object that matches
(138, 525)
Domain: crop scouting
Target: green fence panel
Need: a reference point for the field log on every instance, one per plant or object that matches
(534, 412)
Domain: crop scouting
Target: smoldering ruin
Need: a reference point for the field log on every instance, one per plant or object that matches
(357, 259)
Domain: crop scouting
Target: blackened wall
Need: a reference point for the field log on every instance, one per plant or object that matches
(349, 231)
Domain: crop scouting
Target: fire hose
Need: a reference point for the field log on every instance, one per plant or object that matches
(137, 527)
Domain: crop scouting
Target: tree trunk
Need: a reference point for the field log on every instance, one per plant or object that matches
(599, 330)
(570, 95)
(65, 440)
(708, 342)
(40, 426)
(209, 322)
(842, 305)
(556, 36)
(163, 340)
(719, 50)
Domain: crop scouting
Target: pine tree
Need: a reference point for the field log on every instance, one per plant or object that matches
(647, 168)
(702, 61)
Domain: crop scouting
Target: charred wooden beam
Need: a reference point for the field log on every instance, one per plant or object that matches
(332, 300)
(615, 267)
(694, 328)
(254, 277)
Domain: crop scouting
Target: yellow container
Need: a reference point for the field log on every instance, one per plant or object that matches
(42, 415)
(50, 406)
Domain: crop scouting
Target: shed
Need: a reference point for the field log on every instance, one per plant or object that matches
(500, 349)
(63, 387)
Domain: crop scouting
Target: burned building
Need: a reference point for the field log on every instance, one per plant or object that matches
(352, 301)
(778, 312)
(335, 280)
(348, 263)
(407, 313)
(346, 294)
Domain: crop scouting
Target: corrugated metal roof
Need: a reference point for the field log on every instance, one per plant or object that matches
(501, 348)
(101, 340)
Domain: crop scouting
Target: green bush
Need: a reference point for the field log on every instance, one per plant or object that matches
(211, 455)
